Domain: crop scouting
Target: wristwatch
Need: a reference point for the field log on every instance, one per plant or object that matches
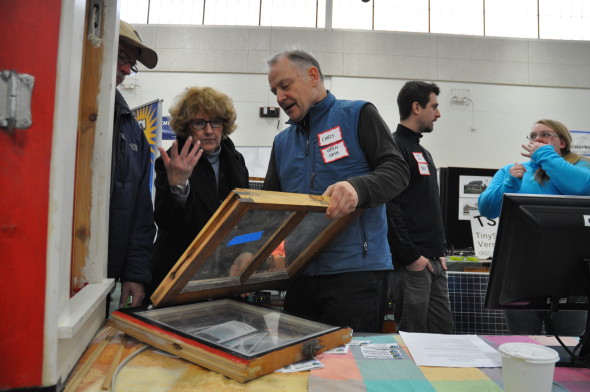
(179, 189)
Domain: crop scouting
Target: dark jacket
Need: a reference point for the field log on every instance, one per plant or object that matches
(131, 221)
(179, 225)
(414, 216)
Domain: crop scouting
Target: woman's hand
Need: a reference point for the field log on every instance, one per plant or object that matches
(180, 166)
(530, 148)
(517, 170)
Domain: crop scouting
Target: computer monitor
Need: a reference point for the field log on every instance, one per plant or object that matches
(541, 257)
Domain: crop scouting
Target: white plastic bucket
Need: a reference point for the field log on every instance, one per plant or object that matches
(527, 367)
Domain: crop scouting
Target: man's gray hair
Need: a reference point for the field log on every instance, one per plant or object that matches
(300, 58)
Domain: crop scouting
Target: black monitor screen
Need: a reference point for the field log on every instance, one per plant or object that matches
(542, 253)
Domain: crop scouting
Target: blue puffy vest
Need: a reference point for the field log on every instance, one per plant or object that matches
(332, 153)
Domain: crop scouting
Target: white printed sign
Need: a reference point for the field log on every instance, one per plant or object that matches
(580, 142)
(483, 231)
(302, 366)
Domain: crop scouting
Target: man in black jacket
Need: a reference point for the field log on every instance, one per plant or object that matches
(131, 220)
(416, 233)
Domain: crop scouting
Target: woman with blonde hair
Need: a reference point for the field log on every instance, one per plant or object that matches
(195, 175)
(552, 170)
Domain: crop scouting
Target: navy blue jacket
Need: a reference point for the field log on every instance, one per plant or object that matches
(131, 221)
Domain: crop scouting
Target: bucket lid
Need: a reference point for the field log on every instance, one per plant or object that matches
(529, 352)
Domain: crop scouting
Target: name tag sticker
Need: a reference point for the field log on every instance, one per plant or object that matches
(419, 157)
(334, 152)
(330, 136)
(423, 169)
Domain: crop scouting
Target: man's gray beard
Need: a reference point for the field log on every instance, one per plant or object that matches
(427, 130)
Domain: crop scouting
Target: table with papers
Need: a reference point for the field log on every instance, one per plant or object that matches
(353, 372)
(345, 370)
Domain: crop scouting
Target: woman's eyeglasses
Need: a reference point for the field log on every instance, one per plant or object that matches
(542, 135)
(199, 123)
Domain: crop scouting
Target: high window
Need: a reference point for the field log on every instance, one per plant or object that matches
(546, 19)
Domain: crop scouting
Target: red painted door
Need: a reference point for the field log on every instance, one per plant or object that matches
(29, 31)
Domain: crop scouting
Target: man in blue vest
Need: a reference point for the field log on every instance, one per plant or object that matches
(342, 149)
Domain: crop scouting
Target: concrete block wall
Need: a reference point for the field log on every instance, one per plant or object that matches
(374, 54)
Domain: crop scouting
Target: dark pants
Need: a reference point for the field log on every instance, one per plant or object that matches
(526, 322)
(353, 299)
(422, 300)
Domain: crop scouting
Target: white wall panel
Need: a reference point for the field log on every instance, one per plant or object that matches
(311, 39)
(407, 44)
(483, 48)
(567, 75)
(559, 52)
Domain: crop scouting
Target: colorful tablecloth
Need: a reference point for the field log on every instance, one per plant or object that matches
(352, 372)
(154, 370)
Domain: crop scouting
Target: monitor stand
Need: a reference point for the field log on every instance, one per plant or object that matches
(565, 360)
(583, 356)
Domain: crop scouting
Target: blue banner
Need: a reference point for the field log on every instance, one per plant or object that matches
(167, 132)
(149, 117)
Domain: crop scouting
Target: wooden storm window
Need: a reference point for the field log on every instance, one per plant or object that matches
(256, 240)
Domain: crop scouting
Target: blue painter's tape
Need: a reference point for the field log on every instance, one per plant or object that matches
(242, 239)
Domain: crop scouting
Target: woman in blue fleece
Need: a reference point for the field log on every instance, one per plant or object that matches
(552, 170)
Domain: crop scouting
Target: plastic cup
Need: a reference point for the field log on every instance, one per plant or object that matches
(527, 367)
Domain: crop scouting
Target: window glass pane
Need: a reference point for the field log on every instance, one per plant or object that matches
(291, 13)
(456, 17)
(134, 11)
(401, 15)
(564, 19)
(232, 12)
(352, 14)
(509, 18)
(176, 12)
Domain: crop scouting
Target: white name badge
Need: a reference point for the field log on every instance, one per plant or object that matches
(423, 169)
(419, 157)
(334, 152)
(330, 136)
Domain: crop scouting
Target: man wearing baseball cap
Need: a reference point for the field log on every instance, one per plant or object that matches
(131, 221)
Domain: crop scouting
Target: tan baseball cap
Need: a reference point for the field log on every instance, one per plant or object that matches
(147, 56)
